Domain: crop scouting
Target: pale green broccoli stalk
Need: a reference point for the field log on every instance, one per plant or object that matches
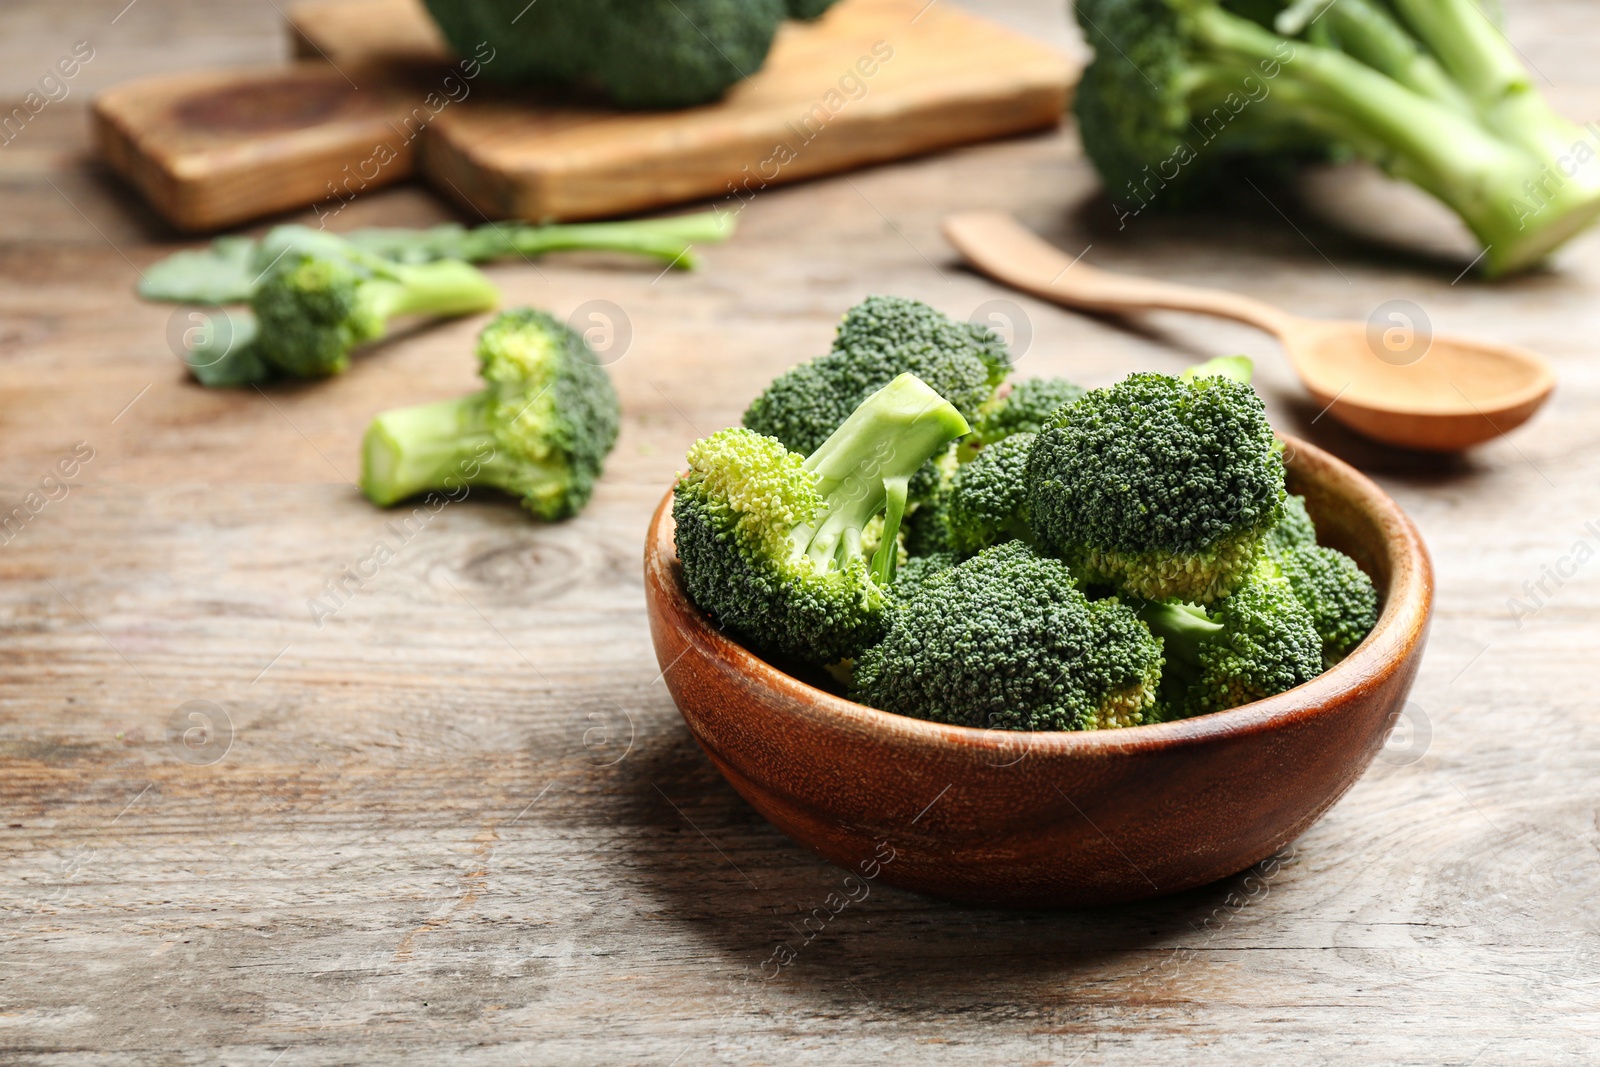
(228, 270)
(1159, 487)
(540, 430)
(771, 542)
(313, 308)
(1006, 641)
(1429, 90)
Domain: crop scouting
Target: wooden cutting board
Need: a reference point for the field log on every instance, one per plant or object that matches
(377, 92)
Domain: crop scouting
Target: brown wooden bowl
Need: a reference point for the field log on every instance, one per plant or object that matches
(1056, 819)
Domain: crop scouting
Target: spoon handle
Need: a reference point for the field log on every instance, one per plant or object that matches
(999, 246)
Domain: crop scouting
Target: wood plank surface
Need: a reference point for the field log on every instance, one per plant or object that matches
(461, 820)
(213, 148)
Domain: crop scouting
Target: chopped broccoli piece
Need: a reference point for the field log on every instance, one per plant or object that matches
(540, 430)
(1005, 640)
(1161, 487)
(879, 339)
(916, 570)
(1294, 528)
(1429, 90)
(1025, 409)
(313, 308)
(228, 270)
(641, 53)
(807, 10)
(771, 543)
(1337, 593)
(988, 501)
(1256, 643)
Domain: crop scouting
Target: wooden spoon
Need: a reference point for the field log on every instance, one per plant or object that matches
(1385, 379)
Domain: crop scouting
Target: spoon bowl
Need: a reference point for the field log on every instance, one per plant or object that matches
(1392, 381)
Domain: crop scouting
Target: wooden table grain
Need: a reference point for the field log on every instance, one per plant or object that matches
(455, 814)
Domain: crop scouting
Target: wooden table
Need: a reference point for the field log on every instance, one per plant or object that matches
(461, 818)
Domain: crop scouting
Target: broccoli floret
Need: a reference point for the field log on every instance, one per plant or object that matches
(227, 271)
(1005, 640)
(540, 430)
(988, 500)
(916, 570)
(879, 339)
(1161, 487)
(1429, 90)
(771, 542)
(1258, 642)
(1293, 530)
(1025, 409)
(1337, 593)
(313, 307)
(641, 53)
(807, 10)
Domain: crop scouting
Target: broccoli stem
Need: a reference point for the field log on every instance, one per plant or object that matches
(668, 240)
(448, 287)
(1470, 46)
(1518, 201)
(866, 465)
(1371, 34)
(1182, 630)
(445, 446)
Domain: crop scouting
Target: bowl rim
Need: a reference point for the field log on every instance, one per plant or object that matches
(1407, 608)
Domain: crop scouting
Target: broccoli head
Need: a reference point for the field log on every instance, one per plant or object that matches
(878, 340)
(1294, 528)
(313, 306)
(771, 542)
(540, 430)
(640, 53)
(1430, 90)
(988, 499)
(1005, 640)
(1337, 593)
(916, 570)
(1256, 643)
(1024, 409)
(1161, 487)
(807, 10)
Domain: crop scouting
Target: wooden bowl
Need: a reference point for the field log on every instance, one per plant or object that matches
(1056, 819)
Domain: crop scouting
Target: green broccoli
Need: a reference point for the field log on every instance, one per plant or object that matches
(540, 430)
(640, 53)
(1256, 643)
(1005, 640)
(916, 570)
(1337, 593)
(988, 498)
(312, 308)
(1430, 90)
(771, 542)
(877, 340)
(1161, 487)
(1293, 530)
(228, 270)
(1024, 409)
(808, 10)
